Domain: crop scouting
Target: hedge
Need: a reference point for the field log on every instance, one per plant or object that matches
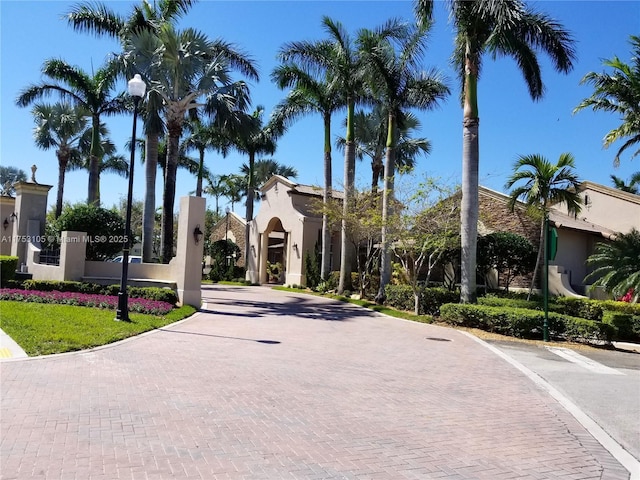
(8, 266)
(401, 297)
(148, 293)
(525, 323)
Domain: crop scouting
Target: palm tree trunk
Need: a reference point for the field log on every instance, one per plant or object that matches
(538, 260)
(168, 200)
(62, 170)
(387, 197)
(200, 168)
(249, 210)
(469, 203)
(93, 195)
(325, 267)
(349, 181)
(149, 212)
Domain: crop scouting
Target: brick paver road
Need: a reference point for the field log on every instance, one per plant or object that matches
(269, 385)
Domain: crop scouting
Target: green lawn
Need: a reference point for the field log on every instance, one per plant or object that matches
(43, 329)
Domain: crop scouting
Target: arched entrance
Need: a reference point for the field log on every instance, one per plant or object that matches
(273, 262)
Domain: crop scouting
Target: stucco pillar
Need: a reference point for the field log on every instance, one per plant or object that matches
(31, 211)
(187, 264)
(253, 273)
(7, 209)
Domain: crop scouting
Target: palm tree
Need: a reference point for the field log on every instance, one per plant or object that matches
(618, 93)
(394, 77)
(263, 170)
(252, 138)
(310, 95)
(632, 187)
(91, 93)
(617, 265)
(187, 71)
(503, 28)
(336, 59)
(99, 19)
(60, 126)
(203, 137)
(545, 185)
(371, 140)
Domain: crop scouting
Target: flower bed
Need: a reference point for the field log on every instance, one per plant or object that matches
(138, 305)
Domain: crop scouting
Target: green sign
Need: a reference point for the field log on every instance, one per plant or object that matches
(552, 243)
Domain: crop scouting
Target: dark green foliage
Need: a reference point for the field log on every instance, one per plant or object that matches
(628, 325)
(579, 307)
(8, 266)
(105, 229)
(148, 293)
(312, 266)
(222, 260)
(523, 323)
(510, 254)
(402, 297)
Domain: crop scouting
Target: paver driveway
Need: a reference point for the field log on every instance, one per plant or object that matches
(267, 385)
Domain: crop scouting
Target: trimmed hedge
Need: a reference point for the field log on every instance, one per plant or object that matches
(401, 297)
(148, 293)
(8, 267)
(627, 325)
(525, 323)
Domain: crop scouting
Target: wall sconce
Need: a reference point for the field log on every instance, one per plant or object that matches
(13, 217)
(5, 224)
(253, 250)
(295, 247)
(197, 234)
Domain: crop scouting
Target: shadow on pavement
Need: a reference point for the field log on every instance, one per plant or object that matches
(267, 342)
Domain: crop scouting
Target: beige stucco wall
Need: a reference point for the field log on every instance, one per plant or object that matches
(7, 207)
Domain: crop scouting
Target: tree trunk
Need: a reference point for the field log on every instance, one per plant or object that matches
(325, 267)
(95, 157)
(469, 203)
(349, 181)
(200, 168)
(62, 170)
(249, 209)
(169, 197)
(538, 260)
(416, 302)
(387, 198)
(149, 212)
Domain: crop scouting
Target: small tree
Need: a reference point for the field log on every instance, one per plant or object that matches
(222, 267)
(427, 228)
(509, 254)
(104, 229)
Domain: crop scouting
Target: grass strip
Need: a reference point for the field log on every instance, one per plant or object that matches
(44, 329)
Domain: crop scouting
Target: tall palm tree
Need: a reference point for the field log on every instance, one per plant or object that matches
(632, 187)
(60, 126)
(371, 141)
(99, 19)
(187, 71)
(394, 76)
(202, 137)
(263, 170)
(503, 28)
(617, 265)
(311, 95)
(619, 93)
(545, 184)
(254, 137)
(93, 93)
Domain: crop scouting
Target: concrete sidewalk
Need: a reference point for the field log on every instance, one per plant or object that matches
(267, 385)
(9, 348)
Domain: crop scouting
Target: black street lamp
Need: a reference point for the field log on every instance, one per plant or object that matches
(136, 89)
(226, 239)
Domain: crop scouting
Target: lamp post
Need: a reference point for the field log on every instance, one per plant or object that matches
(226, 239)
(136, 89)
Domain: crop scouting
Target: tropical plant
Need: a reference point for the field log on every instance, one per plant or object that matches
(253, 137)
(310, 95)
(263, 170)
(9, 176)
(394, 77)
(371, 141)
(93, 93)
(545, 184)
(60, 126)
(99, 19)
(633, 186)
(617, 265)
(619, 93)
(187, 71)
(202, 137)
(508, 253)
(503, 28)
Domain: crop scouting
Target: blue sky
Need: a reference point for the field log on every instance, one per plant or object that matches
(511, 124)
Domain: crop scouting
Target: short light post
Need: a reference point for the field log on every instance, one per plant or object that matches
(137, 89)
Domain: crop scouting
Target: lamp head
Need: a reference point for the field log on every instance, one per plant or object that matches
(136, 86)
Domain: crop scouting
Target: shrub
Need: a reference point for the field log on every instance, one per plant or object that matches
(401, 297)
(494, 301)
(8, 267)
(525, 323)
(101, 225)
(221, 252)
(627, 325)
(312, 262)
(579, 307)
